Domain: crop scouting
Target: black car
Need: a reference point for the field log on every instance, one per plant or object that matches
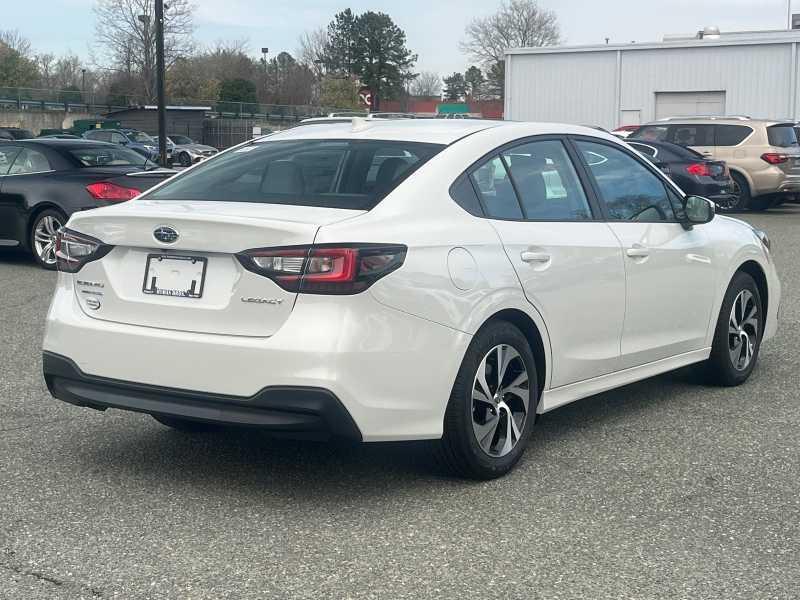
(44, 181)
(15, 133)
(694, 173)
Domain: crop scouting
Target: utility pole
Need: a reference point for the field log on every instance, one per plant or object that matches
(162, 109)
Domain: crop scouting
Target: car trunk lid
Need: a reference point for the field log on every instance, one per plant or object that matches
(193, 283)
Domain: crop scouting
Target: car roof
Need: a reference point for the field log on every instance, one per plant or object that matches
(63, 144)
(433, 131)
(732, 120)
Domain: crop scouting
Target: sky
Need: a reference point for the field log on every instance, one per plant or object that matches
(433, 29)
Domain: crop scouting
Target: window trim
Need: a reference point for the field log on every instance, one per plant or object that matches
(595, 211)
(668, 184)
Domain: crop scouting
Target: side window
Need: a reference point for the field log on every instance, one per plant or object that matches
(731, 135)
(546, 181)
(29, 161)
(644, 149)
(691, 135)
(464, 195)
(629, 190)
(7, 156)
(117, 138)
(493, 184)
(652, 133)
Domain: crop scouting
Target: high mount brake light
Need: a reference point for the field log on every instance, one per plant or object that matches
(73, 250)
(699, 169)
(774, 158)
(334, 269)
(106, 190)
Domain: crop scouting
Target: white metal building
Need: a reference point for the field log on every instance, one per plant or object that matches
(751, 73)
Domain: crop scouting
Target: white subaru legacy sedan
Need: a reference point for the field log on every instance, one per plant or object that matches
(403, 280)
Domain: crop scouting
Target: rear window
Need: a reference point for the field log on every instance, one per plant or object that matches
(781, 136)
(107, 156)
(355, 174)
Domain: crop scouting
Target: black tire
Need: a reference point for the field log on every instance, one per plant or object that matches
(186, 425)
(719, 369)
(459, 450)
(185, 159)
(742, 191)
(46, 216)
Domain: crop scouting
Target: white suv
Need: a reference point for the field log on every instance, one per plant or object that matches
(399, 280)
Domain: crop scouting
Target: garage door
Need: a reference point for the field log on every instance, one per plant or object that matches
(688, 104)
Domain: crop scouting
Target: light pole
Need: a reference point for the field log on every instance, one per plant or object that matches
(83, 84)
(264, 52)
(162, 109)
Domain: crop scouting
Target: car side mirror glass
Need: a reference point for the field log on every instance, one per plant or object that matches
(699, 210)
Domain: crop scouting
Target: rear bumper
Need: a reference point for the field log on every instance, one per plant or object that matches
(296, 411)
(391, 371)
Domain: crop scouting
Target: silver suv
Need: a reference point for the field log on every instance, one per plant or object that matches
(762, 154)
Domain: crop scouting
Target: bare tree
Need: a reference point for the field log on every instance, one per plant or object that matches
(427, 84)
(311, 51)
(16, 41)
(516, 24)
(125, 31)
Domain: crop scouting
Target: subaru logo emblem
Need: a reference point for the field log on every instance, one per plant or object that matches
(165, 234)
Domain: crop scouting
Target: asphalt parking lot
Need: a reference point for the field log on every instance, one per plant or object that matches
(663, 489)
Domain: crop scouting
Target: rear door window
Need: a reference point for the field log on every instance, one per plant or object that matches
(7, 156)
(691, 135)
(355, 174)
(782, 136)
(731, 135)
(546, 181)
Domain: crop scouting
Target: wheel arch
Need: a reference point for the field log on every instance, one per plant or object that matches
(536, 341)
(37, 210)
(752, 268)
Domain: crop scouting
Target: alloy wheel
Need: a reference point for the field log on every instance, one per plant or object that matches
(44, 238)
(743, 330)
(500, 400)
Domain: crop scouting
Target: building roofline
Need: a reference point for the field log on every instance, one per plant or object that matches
(758, 39)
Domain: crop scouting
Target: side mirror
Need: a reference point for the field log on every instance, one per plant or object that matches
(699, 210)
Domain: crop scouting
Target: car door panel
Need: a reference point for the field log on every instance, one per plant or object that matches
(669, 268)
(570, 265)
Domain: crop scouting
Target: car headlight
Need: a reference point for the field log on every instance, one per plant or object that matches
(765, 241)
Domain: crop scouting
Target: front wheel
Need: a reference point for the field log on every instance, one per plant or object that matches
(185, 160)
(737, 337)
(43, 237)
(492, 407)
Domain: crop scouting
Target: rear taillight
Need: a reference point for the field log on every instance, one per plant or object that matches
(774, 158)
(106, 190)
(334, 269)
(699, 169)
(73, 250)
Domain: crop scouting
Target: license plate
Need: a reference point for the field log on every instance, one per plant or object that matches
(172, 275)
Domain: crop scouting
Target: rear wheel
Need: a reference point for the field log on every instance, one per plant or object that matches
(737, 337)
(741, 189)
(43, 237)
(492, 407)
(186, 425)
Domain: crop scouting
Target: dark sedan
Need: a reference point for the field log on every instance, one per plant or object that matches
(44, 181)
(694, 173)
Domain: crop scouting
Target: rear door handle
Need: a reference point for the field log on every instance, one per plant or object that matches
(637, 251)
(534, 257)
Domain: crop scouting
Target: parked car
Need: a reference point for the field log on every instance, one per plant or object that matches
(694, 173)
(59, 136)
(762, 155)
(15, 133)
(186, 152)
(138, 141)
(624, 131)
(486, 272)
(44, 181)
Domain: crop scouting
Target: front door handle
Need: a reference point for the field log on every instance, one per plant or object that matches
(534, 257)
(638, 251)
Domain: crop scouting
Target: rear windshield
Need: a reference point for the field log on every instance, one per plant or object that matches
(354, 174)
(108, 156)
(781, 136)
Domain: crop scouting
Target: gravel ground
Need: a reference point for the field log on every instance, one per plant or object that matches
(663, 489)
